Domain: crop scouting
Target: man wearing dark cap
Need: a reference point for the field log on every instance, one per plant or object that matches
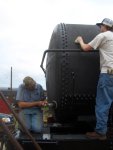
(30, 98)
(104, 42)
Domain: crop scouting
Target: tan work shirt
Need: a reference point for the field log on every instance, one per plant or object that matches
(104, 42)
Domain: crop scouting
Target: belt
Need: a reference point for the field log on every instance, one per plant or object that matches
(110, 71)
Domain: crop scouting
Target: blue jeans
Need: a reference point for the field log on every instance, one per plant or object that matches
(32, 121)
(104, 100)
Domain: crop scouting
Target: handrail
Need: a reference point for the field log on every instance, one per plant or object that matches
(11, 138)
(61, 50)
(21, 123)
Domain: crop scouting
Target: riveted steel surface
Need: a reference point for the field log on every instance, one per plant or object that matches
(71, 74)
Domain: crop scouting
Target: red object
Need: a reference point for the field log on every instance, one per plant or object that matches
(4, 108)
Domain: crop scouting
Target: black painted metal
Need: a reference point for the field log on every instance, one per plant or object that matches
(64, 142)
(72, 75)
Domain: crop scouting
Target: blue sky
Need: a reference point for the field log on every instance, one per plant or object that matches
(26, 27)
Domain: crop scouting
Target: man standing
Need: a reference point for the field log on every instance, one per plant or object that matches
(104, 98)
(30, 98)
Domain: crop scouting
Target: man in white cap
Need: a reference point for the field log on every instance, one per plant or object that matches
(30, 98)
(104, 42)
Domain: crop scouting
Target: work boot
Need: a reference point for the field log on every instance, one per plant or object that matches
(95, 135)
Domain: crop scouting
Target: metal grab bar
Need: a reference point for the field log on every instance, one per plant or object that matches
(59, 51)
(21, 123)
(11, 138)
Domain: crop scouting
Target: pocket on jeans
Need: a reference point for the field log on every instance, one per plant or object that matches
(110, 81)
(101, 82)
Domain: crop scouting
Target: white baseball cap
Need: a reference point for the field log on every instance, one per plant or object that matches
(106, 21)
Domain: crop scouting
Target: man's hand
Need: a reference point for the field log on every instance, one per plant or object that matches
(42, 103)
(78, 39)
(84, 46)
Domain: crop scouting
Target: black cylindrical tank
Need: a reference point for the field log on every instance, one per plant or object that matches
(72, 74)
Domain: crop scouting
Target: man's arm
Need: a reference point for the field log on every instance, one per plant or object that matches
(23, 104)
(84, 46)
